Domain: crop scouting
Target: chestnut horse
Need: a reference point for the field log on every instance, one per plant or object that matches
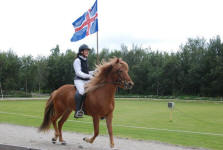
(99, 100)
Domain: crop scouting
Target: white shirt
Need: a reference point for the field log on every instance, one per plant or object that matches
(77, 69)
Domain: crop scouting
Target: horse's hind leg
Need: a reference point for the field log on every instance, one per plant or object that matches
(56, 134)
(60, 125)
(96, 130)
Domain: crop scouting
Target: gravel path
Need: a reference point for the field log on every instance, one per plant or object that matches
(30, 138)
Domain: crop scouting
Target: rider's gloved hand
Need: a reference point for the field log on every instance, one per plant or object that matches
(91, 77)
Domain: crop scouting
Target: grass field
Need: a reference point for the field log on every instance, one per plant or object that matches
(195, 123)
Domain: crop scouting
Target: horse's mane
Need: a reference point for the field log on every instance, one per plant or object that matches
(102, 71)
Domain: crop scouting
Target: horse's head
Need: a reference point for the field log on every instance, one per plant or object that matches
(114, 72)
(119, 74)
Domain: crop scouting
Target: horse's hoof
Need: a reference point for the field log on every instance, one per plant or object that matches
(87, 140)
(54, 140)
(63, 143)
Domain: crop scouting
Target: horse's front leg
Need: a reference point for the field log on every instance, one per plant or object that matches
(96, 130)
(109, 127)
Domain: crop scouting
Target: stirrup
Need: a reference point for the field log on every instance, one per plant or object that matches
(79, 114)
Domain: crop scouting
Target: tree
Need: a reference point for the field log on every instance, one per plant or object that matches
(9, 70)
(196, 69)
(27, 73)
(41, 73)
(60, 68)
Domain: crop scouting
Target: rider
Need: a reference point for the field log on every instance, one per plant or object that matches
(83, 75)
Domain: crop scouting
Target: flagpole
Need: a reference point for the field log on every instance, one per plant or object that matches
(97, 39)
(97, 50)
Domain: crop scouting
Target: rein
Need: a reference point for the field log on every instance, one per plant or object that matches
(119, 82)
(103, 83)
(115, 83)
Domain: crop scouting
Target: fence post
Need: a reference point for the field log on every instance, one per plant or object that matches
(171, 106)
(1, 90)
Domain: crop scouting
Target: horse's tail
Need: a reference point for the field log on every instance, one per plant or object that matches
(48, 114)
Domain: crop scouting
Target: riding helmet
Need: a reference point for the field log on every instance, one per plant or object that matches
(83, 47)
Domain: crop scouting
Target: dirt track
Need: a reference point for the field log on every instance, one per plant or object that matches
(30, 138)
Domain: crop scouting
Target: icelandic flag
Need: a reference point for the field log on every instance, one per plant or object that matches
(86, 24)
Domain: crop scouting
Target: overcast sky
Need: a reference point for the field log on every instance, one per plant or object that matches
(33, 27)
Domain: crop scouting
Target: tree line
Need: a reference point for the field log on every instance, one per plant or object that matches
(195, 69)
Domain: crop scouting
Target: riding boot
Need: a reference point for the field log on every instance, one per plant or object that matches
(78, 103)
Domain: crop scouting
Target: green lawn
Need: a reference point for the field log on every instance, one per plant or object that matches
(196, 123)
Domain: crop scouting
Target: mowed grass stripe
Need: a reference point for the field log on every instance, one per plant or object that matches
(125, 126)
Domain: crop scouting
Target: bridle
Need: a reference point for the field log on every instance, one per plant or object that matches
(120, 81)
